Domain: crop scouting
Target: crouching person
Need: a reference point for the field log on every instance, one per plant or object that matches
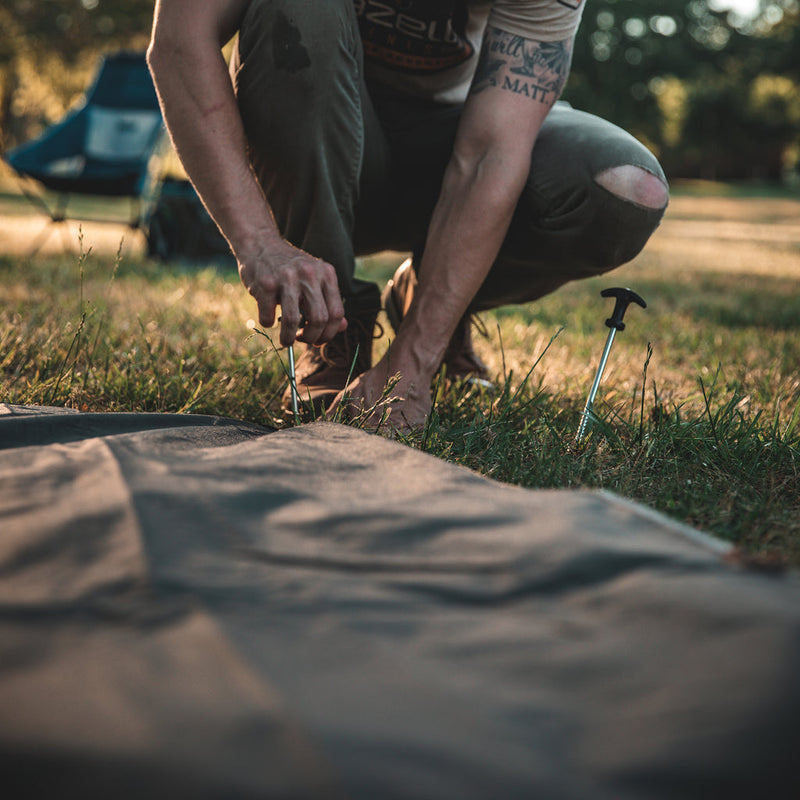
(347, 127)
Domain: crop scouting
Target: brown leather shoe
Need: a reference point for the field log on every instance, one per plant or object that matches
(322, 372)
(460, 359)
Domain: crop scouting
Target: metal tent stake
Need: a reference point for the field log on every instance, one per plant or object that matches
(292, 380)
(587, 409)
(624, 297)
(292, 374)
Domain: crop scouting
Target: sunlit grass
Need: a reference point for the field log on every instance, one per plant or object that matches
(709, 432)
(99, 336)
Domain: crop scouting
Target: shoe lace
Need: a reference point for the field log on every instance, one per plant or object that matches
(350, 345)
(461, 340)
(479, 325)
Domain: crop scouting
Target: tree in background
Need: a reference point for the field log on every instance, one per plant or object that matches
(48, 51)
(712, 94)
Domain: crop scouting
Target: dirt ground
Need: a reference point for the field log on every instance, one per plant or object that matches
(19, 235)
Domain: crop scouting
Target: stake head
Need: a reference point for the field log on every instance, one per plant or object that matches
(624, 297)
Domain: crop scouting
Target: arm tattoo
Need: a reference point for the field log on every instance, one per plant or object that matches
(511, 63)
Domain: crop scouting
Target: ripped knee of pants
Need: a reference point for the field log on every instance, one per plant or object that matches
(621, 229)
(636, 185)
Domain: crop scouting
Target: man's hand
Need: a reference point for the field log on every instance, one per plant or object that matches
(305, 287)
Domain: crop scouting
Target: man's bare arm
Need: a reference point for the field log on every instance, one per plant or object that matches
(203, 119)
(515, 85)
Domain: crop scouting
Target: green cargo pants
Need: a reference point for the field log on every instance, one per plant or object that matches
(351, 168)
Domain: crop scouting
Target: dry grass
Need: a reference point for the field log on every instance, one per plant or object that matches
(714, 441)
(721, 277)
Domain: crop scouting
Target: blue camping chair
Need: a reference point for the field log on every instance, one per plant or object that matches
(108, 146)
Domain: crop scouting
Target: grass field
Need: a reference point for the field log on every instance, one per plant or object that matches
(699, 405)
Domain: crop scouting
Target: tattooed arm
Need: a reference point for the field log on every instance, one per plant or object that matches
(515, 85)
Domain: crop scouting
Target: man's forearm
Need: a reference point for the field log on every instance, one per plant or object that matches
(515, 86)
(207, 132)
(471, 219)
(203, 119)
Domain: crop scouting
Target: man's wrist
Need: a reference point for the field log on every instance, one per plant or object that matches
(255, 243)
(416, 352)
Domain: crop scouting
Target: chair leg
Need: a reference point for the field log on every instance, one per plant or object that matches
(59, 213)
(45, 234)
(65, 238)
(39, 241)
(58, 218)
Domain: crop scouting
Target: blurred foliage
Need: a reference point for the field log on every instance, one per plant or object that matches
(713, 94)
(48, 52)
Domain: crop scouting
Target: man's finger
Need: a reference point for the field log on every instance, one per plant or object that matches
(336, 319)
(267, 308)
(315, 318)
(291, 320)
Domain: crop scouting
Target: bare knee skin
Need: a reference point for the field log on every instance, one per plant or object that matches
(636, 185)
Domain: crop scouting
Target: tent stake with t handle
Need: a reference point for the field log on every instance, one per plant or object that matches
(624, 297)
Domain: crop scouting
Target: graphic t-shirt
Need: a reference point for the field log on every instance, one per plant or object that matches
(430, 47)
